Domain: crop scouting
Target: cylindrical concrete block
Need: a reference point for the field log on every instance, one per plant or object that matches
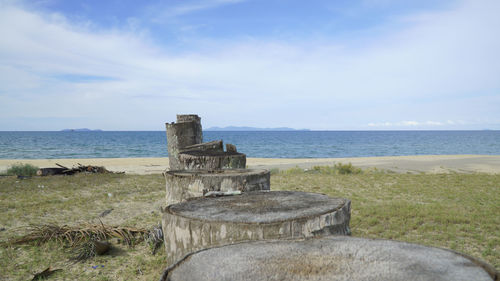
(182, 185)
(211, 160)
(208, 222)
(329, 259)
(180, 135)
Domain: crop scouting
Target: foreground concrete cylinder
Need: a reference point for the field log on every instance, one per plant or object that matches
(207, 222)
(329, 258)
(186, 132)
(182, 185)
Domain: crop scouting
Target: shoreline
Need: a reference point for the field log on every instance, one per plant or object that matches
(399, 164)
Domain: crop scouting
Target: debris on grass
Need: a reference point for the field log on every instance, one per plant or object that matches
(62, 170)
(105, 213)
(154, 238)
(44, 274)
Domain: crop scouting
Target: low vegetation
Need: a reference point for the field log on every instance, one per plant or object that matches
(457, 211)
(24, 170)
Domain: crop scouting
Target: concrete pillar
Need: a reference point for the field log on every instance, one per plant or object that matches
(187, 131)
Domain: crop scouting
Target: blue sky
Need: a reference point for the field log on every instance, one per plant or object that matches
(323, 65)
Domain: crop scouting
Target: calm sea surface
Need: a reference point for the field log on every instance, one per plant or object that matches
(270, 144)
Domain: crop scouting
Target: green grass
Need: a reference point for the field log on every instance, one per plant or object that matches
(20, 169)
(457, 211)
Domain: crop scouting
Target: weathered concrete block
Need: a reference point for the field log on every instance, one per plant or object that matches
(211, 160)
(206, 146)
(182, 185)
(208, 222)
(188, 118)
(231, 147)
(329, 258)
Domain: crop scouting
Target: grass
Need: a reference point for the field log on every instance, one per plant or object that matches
(77, 200)
(457, 211)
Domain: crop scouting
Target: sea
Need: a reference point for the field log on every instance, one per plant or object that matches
(266, 144)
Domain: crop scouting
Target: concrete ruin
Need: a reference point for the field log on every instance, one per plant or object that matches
(197, 167)
(197, 217)
(257, 234)
(329, 259)
(186, 150)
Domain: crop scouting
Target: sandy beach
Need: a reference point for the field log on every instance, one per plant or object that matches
(399, 164)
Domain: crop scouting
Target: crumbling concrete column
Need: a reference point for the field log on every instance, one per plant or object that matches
(182, 185)
(187, 131)
(208, 222)
(329, 258)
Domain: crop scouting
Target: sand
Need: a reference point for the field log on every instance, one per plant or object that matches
(399, 164)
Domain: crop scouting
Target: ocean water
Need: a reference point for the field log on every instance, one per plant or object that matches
(267, 144)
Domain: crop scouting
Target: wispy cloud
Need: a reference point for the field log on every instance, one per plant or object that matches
(410, 124)
(163, 12)
(201, 5)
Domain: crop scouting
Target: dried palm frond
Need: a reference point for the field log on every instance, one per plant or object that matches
(75, 235)
(90, 249)
(44, 274)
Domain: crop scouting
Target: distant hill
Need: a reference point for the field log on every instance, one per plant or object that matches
(80, 130)
(233, 128)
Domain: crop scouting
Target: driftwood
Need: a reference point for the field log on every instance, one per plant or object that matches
(51, 171)
(62, 170)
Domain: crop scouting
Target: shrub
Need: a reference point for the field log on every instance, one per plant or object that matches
(345, 169)
(336, 169)
(22, 170)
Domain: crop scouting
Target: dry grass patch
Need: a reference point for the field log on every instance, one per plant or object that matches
(64, 205)
(457, 211)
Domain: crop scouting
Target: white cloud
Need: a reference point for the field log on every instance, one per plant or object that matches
(410, 124)
(431, 70)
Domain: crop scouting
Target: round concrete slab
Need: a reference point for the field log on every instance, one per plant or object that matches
(208, 222)
(259, 207)
(329, 258)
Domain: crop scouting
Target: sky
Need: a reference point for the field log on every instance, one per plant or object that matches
(317, 64)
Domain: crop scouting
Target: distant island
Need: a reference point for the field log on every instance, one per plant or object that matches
(81, 130)
(233, 128)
